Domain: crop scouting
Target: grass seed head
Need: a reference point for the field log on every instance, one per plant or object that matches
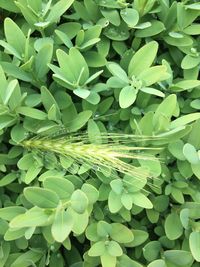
(112, 155)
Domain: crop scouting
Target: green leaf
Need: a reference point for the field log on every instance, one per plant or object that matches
(114, 202)
(117, 71)
(61, 186)
(89, 43)
(16, 72)
(81, 11)
(30, 17)
(58, 9)
(26, 161)
(153, 75)
(62, 225)
(115, 82)
(112, 16)
(195, 104)
(81, 92)
(126, 200)
(91, 192)
(32, 113)
(121, 233)
(5, 252)
(139, 238)
(177, 195)
(194, 6)
(117, 186)
(114, 249)
(109, 4)
(94, 133)
(103, 229)
(32, 218)
(157, 263)
(64, 38)
(143, 25)
(108, 260)
(36, 5)
(9, 5)
(153, 165)
(78, 65)
(179, 257)
(42, 59)
(32, 173)
(8, 213)
(27, 258)
(130, 16)
(77, 70)
(143, 58)
(79, 201)
(91, 232)
(141, 200)
(182, 42)
(6, 121)
(53, 114)
(79, 121)
(184, 168)
(97, 249)
(191, 154)
(151, 250)
(94, 76)
(155, 28)
(176, 149)
(41, 197)
(4, 83)
(13, 97)
(80, 222)
(93, 98)
(152, 91)
(94, 59)
(42, 24)
(47, 99)
(8, 179)
(124, 260)
(183, 120)
(161, 203)
(119, 33)
(127, 96)
(11, 50)
(41, 42)
(56, 259)
(14, 36)
(167, 108)
(196, 170)
(189, 62)
(193, 29)
(173, 230)
(194, 241)
(185, 85)
(152, 215)
(13, 234)
(59, 77)
(80, 38)
(18, 133)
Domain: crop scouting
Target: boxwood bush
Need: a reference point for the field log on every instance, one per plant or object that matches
(99, 130)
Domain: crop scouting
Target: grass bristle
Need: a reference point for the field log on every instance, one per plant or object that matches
(109, 150)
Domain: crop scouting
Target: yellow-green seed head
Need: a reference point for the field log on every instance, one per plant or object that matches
(109, 155)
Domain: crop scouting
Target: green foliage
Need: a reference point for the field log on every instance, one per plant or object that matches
(99, 131)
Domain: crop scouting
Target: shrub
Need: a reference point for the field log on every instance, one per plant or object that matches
(99, 129)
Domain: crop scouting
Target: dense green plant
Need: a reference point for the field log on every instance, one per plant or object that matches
(99, 126)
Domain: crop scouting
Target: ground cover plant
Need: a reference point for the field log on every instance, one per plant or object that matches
(99, 130)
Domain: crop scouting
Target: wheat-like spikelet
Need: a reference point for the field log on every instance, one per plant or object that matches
(109, 155)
